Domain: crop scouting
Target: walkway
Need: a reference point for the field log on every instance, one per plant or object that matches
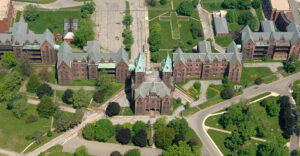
(63, 108)
(9, 153)
(100, 148)
(272, 65)
(60, 87)
(55, 5)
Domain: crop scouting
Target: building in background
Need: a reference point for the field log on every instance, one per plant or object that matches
(70, 26)
(221, 28)
(6, 14)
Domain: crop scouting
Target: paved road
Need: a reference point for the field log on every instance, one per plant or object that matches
(196, 121)
(55, 5)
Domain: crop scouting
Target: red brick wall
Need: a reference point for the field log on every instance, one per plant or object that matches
(5, 23)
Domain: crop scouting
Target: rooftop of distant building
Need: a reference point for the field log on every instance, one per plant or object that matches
(4, 8)
(280, 4)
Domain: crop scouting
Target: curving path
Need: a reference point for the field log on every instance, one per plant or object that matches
(196, 121)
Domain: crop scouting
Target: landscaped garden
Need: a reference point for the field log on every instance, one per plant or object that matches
(194, 90)
(176, 103)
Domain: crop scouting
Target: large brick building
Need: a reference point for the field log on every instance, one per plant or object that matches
(268, 42)
(6, 14)
(38, 48)
(206, 64)
(86, 65)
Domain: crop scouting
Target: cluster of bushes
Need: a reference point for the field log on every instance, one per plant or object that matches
(290, 65)
(127, 33)
(132, 152)
(227, 92)
(103, 130)
(271, 105)
(237, 4)
(155, 37)
(286, 119)
(186, 8)
(31, 13)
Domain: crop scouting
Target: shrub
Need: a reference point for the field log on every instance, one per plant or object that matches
(112, 109)
(9, 59)
(227, 93)
(68, 96)
(151, 2)
(31, 13)
(33, 84)
(164, 137)
(178, 137)
(81, 151)
(187, 105)
(115, 153)
(185, 8)
(81, 98)
(88, 132)
(89, 7)
(127, 20)
(104, 130)
(195, 3)
(133, 152)
(49, 134)
(31, 118)
(160, 122)
(180, 126)
(123, 136)
(19, 108)
(98, 96)
(259, 81)
(44, 89)
(163, 2)
(230, 16)
(127, 125)
(197, 85)
(138, 126)
(140, 138)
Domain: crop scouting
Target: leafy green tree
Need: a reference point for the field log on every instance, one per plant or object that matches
(88, 6)
(247, 18)
(195, 3)
(44, 89)
(275, 147)
(33, 84)
(133, 152)
(185, 8)
(233, 141)
(81, 151)
(230, 4)
(140, 138)
(68, 96)
(123, 136)
(128, 39)
(151, 2)
(286, 119)
(81, 98)
(127, 20)
(180, 149)
(13, 80)
(104, 81)
(163, 2)
(20, 108)
(178, 137)
(112, 109)
(31, 13)
(104, 130)
(138, 126)
(98, 96)
(227, 93)
(25, 66)
(259, 81)
(234, 115)
(65, 121)
(196, 30)
(115, 153)
(160, 122)
(289, 65)
(180, 126)
(164, 137)
(256, 4)
(127, 125)
(155, 37)
(46, 107)
(246, 130)
(230, 16)
(9, 59)
(247, 151)
(244, 4)
(84, 33)
(197, 85)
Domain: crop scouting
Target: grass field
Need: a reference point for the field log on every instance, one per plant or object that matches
(37, 1)
(212, 92)
(190, 111)
(53, 20)
(191, 134)
(234, 27)
(285, 74)
(175, 105)
(159, 56)
(13, 133)
(57, 151)
(126, 111)
(224, 41)
(19, 13)
(249, 75)
(212, 5)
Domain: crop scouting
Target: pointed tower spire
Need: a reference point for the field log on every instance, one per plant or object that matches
(166, 64)
(140, 64)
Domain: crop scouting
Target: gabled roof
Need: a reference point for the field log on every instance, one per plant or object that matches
(140, 64)
(232, 48)
(221, 25)
(267, 26)
(292, 27)
(204, 47)
(166, 64)
(152, 87)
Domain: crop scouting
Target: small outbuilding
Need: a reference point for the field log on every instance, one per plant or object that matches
(221, 28)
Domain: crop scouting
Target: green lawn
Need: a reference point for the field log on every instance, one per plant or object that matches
(195, 93)
(126, 111)
(259, 14)
(224, 41)
(260, 96)
(212, 5)
(158, 56)
(19, 13)
(212, 92)
(191, 134)
(13, 133)
(175, 105)
(57, 151)
(249, 75)
(285, 74)
(210, 102)
(44, 141)
(190, 111)
(37, 1)
(159, 9)
(82, 82)
(234, 27)
(53, 20)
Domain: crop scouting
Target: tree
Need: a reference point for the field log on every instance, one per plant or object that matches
(246, 130)
(275, 147)
(128, 39)
(127, 20)
(185, 8)
(81, 151)
(164, 137)
(259, 81)
(31, 119)
(286, 119)
(33, 84)
(19, 108)
(81, 98)
(44, 89)
(31, 13)
(234, 115)
(98, 96)
(9, 59)
(65, 121)
(133, 152)
(163, 2)
(289, 65)
(195, 3)
(44, 74)
(115, 153)
(112, 109)
(244, 4)
(25, 66)
(151, 2)
(36, 136)
(138, 126)
(196, 30)
(140, 138)
(104, 130)
(180, 149)
(127, 125)
(256, 4)
(160, 122)
(13, 80)
(197, 85)
(46, 107)
(230, 16)
(180, 126)
(233, 141)
(88, 131)
(247, 18)
(193, 142)
(68, 96)
(178, 137)
(104, 81)
(230, 4)
(227, 93)
(123, 136)
(84, 33)
(89, 7)
(246, 151)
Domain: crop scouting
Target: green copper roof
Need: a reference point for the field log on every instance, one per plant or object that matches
(35, 46)
(166, 64)
(140, 64)
(131, 67)
(107, 65)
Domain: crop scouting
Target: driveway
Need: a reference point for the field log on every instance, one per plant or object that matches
(101, 149)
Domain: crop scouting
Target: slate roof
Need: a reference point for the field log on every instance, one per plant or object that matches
(204, 47)
(19, 34)
(152, 87)
(292, 34)
(232, 55)
(267, 26)
(221, 25)
(92, 54)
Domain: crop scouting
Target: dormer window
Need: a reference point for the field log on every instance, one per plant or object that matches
(27, 42)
